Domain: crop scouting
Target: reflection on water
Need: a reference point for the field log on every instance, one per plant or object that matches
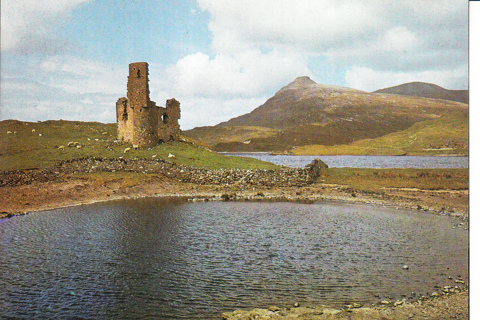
(155, 258)
(419, 162)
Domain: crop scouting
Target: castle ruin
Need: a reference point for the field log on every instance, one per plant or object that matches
(139, 120)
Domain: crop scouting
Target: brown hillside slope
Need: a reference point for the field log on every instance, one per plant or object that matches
(427, 90)
(305, 113)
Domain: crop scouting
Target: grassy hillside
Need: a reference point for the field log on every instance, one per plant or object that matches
(27, 145)
(214, 135)
(445, 135)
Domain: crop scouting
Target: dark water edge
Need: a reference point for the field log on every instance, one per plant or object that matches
(169, 259)
(418, 162)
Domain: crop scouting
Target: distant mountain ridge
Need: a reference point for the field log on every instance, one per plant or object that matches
(427, 90)
(306, 113)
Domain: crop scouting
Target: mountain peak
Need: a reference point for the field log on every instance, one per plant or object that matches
(298, 83)
(301, 81)
(305, 84)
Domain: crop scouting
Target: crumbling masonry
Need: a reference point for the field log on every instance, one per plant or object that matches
(139, 120)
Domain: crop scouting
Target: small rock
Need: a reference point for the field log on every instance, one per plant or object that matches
(274, 308)
(398, 303)
(405, 267)
(296, 304)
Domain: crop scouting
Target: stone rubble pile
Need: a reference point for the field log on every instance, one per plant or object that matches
(282, 177)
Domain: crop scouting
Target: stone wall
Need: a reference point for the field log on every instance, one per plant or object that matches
(168, 127)
(124, 120)
(274, 178)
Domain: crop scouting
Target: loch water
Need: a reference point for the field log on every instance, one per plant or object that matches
(172, 259)
(418, 162)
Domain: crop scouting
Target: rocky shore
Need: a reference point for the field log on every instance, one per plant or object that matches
(447, 306)
(90, 180)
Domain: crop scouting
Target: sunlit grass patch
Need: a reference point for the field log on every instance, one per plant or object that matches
(27, 145)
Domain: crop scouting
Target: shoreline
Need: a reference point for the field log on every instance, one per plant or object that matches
(41, 196)
(84, 189)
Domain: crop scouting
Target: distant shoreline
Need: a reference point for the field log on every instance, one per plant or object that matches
(353, 155)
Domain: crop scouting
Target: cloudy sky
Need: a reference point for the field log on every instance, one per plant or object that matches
(68, 59)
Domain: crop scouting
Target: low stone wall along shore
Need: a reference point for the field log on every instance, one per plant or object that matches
(285, 177)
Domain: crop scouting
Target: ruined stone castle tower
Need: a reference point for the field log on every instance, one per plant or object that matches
(139, 120)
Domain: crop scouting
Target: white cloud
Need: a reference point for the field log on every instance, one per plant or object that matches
(76, 75)
(244, 74)
(63, 87)
(29, 25)
(357, 30)
(367, 79)
(304, 24)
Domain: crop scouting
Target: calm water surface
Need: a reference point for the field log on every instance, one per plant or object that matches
(157, 258)
(420, 162)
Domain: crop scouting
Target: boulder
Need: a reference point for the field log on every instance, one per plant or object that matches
(315, 166)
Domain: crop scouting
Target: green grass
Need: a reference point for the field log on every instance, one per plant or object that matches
(36, 145)
(445, 135)
(375, 179)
